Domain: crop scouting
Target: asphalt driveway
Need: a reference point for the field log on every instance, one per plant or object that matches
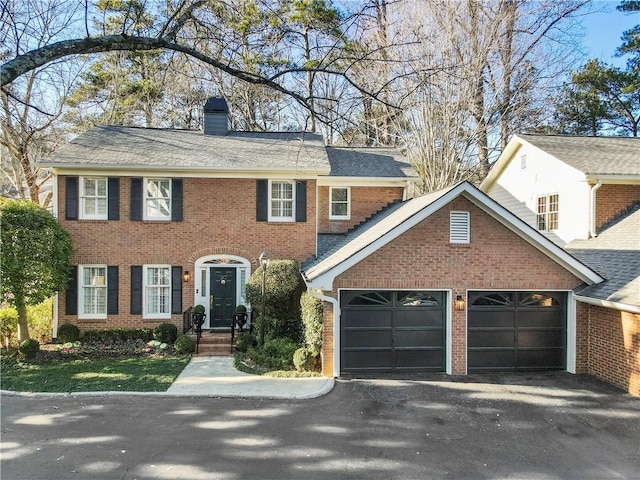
(478, 427)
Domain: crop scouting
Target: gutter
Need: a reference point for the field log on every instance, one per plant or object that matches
(592, 219)
(336, 329)
(607, 304)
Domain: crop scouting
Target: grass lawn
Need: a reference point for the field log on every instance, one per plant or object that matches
(138, 374)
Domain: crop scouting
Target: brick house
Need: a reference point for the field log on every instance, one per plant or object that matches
(584, 194)
(447, 282)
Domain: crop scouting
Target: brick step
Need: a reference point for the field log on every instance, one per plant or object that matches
(214, 344)
(208, 350)
(213, 338)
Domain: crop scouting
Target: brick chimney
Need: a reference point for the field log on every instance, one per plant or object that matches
(216, 117)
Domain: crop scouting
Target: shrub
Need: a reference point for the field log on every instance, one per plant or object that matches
(241, 309)
(29, 348)
(185, 344)
(199, 309)
(245, 341)
(68, 332)
(303, 359)
(8, 322)
(117, 334)
(166, 333)
(311, 312)
(40, 320)
(276, 354)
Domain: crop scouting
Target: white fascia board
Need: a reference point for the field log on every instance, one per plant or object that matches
(607, 304)
(501, 163)
(328, 181)
(613, 179)
(195, 172)
(535, 238)
(324, 281)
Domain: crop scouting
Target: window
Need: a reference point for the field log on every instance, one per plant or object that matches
(459, 230)
(339, 203)
(157, 199)
(93, 291)
(547, 216)
(93, 197)
(157, 291)
(282, 199)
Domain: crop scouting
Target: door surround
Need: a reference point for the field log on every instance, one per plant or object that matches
(202, 279)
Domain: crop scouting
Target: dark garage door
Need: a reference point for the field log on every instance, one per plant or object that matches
(391, 332)
(516, 331)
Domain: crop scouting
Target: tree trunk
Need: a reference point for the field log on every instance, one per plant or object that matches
(23, 326)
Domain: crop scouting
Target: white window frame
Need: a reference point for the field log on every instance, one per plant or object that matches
(332, 216)
(547, 214)
(148, 199)
(83, 199)
(147, 289)
(92, 289)
(459, 227)
(279, 218)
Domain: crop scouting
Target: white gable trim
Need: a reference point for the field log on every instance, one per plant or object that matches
(320, 279)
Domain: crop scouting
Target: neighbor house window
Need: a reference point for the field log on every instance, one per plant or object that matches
(93, 291)
(547, 216)
(282, 197)
(157, 199)
(93, 197)
(459, 227)
(157, 291)
(339, 203)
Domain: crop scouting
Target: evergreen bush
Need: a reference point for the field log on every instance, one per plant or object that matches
(166, 333)
(29, 348)
(311, 312)
(185, 344)
(68, 332)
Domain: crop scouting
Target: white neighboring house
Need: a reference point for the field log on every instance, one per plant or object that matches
(567, 187)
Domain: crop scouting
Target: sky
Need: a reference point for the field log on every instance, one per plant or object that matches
(604, 29)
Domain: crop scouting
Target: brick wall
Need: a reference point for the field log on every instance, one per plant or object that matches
(423, 258)
(365, 201)
(611, 199)
(614, 347)
(219, 218)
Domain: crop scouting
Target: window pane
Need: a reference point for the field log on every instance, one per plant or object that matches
(101, 187)
(339, 209)
(89, 187)
(94, 291)
(339, 194)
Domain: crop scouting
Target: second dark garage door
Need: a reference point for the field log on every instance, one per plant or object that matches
(391, 332)
(516, 331)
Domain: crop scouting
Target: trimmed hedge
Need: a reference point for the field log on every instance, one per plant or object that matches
(124, 334)
(68, 332)
(166, 333)
(29, 348)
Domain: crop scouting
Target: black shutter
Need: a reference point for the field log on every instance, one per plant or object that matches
(301, 201)
(71, 294)
(136, 199)
(262, 200)
(176, 199)
(136, 289)
(113, 201)
(176, 289)
(112, 290)
(71, 194)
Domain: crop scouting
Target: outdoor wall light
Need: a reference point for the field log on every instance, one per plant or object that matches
(459, 303)
(185, 276)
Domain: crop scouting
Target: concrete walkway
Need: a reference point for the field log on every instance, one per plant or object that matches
(217, 377)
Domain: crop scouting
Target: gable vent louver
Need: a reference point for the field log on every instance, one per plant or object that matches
(459, 231)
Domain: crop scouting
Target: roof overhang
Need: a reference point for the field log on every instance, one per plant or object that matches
(501, 163)
(607, 304)
(593, 178)
(331, 181)
(321, 277)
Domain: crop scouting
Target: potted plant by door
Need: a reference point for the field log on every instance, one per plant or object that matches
(240, 317)
(198, 317)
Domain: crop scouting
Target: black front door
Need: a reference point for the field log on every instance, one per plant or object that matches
(222, 296)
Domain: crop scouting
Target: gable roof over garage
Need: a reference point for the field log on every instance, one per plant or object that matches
(391, 223)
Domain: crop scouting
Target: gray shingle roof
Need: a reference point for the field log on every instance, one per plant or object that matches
(369, 162)
(136, 148)
(592, 155)
(615, 254)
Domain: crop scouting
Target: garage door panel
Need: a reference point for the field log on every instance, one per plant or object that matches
(357, 338)
(541, 318)
(417, 317)
(541, 359)
(491, 358)
(418, 338)
(493, 338)
(368, 318)
(541, 338)
(491, 319)
(367, 359)
(419, 359)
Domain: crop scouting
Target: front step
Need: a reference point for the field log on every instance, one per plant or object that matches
(214, 344)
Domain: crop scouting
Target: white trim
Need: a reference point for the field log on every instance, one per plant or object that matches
(571, 353)
(324, 279)
(183, 172)
(448, 367)
(400, 182)
(81, 286)
(592, 207)
(145, 313)
(56, 318)
(272, 218)
(624, 307)
(331, 202)
(56, 196)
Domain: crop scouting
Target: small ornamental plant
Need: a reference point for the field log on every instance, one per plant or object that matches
(69, 347)
(154, 345)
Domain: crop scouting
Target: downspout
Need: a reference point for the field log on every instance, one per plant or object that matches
(54, 316)
(336, 329)
(594, 189)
